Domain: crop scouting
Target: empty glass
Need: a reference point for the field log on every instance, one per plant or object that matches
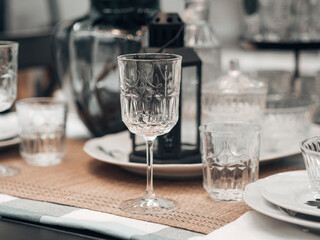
(230, 158)
(278, 82)
(310, 149)
(276, 18)
(282, 21)
(286, 121)
(8, 86)
(315, 20)
(42, 125)
(199, 35)
(149, 87)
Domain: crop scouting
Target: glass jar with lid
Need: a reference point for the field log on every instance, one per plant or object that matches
(234, 97)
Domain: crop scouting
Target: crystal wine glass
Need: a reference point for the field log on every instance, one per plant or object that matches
(149, 91)
(8, 86)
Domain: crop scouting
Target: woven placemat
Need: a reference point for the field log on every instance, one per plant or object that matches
(83, 182)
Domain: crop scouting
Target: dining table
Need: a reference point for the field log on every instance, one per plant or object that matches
(80, 199)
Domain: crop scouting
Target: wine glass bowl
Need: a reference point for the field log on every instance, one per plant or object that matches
(8, 74)
(8, 86)
(149, 94)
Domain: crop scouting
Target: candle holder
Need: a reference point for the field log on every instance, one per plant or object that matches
(182, 144)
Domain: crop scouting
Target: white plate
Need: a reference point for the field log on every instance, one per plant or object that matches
(8, 130)
(120, 146)
(290, 191)
(8, 126)
(9, 142)
(253, 197)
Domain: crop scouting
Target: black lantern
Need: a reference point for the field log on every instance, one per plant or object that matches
(182, 144)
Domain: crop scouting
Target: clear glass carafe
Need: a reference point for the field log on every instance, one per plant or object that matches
(199, 35)
(85, 52)
(234, 97)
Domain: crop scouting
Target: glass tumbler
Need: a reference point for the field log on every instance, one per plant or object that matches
(42, 127)
(310, 148)
(230, 158)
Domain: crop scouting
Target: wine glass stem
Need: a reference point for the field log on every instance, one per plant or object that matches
(149, 195)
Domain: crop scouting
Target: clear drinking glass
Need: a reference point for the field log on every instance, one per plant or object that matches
(42, 127)
(149, 90)
(310, 149)
(8, 86)
(199, 35)
(277, 19)
(286, 121)
(230, 158)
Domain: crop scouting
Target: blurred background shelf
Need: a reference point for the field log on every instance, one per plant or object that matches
(263, 45)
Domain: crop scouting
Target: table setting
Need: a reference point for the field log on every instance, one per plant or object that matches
(83, 193)
(176, 159)
(63, 186)
(101, 147)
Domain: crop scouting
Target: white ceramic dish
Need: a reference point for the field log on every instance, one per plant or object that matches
(8, 130)
(253, 197)
(290, 191)
(9, 142)
(8, 126)
(119, 145)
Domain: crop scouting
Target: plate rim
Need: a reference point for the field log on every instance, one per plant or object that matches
(10, 142)
(14, 128)
(271, 180)
(93, 141)
(172, 171)
(87, 146)
(265, 210)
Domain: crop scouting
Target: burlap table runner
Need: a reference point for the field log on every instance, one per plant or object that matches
(83, 182)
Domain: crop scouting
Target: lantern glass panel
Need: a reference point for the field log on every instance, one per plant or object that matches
(140, 143)
(189, 125)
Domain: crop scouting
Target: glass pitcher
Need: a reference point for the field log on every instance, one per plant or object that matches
(85, 52)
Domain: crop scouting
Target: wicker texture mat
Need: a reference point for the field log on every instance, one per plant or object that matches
(83, 182)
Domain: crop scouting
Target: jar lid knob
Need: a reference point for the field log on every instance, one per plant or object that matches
(234, 64)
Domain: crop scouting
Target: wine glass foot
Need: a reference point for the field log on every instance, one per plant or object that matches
(145, 206)
(6, 171)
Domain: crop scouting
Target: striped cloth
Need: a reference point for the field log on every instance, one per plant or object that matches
(72, 217)
(250, 226)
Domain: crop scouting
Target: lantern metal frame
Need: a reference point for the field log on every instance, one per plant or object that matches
(169, 148)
